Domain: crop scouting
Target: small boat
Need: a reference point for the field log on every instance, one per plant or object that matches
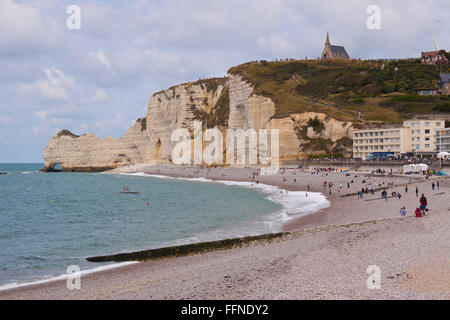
(129, 192)
(3, 172)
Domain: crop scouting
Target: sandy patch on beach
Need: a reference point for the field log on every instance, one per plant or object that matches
(429, 277)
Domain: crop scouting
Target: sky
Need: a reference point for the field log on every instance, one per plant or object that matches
(98, 78)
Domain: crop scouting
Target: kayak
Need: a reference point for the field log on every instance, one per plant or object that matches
(129, 192)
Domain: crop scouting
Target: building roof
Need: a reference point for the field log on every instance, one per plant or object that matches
(431, 53)
(444, 77)
(384, 126)
(338, 50)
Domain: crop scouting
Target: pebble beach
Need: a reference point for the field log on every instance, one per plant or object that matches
(321, 255)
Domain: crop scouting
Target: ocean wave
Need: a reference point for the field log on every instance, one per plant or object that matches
(65, 276)
(295, 203)
(32, 257)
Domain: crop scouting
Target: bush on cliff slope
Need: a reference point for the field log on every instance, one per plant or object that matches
(342, 88)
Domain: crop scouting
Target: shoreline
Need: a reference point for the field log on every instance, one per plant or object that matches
(343, 213)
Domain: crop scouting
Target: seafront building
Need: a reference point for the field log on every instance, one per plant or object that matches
(416, 136)
(387, 140)
(442, 137)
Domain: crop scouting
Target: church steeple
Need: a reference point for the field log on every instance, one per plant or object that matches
(333, 51)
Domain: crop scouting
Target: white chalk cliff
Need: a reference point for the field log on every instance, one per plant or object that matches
(226, 102)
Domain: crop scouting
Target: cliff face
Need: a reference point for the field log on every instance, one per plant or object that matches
(88, 153)
(226, 102)
(249, 110)
(148, 141)
(177, 108)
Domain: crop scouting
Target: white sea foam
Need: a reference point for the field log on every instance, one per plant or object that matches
(65, 276)
(295, 203)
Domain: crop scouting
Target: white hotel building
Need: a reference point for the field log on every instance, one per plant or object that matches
(443, 140)
(415, 136)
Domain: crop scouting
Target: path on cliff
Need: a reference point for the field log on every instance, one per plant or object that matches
(317, 102)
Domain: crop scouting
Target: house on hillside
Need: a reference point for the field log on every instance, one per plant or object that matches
(434, 57)
(427, 91)
(334, 52)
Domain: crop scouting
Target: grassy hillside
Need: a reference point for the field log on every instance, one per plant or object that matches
(383, 90)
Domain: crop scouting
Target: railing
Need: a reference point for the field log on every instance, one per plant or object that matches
(364, 162)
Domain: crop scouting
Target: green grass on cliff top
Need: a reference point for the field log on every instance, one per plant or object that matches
(384, 90)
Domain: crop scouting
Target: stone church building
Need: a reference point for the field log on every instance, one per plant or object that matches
(334, 52)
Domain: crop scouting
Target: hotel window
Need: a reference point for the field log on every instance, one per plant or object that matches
(427, 131)
(427, 146)
(427, 124)
(438, 124)
(427, 138)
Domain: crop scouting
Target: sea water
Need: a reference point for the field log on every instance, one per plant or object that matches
(50, 221)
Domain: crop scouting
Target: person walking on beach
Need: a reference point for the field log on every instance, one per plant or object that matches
(406, 189)
(433, 185)
(403, 211)
(423, 204)
(417, 191)
(437, 184)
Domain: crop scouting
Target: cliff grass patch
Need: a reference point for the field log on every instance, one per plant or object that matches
(317, 125)
(67, 133)
(318, 145)
(211, 84)
(221, 111)
(219, 114)
(383, 90)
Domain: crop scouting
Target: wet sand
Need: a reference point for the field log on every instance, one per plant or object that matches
(324, 256)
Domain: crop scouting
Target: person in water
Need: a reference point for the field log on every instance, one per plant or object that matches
(125, 189)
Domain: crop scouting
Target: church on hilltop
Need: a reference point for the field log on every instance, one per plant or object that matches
(334, 52)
